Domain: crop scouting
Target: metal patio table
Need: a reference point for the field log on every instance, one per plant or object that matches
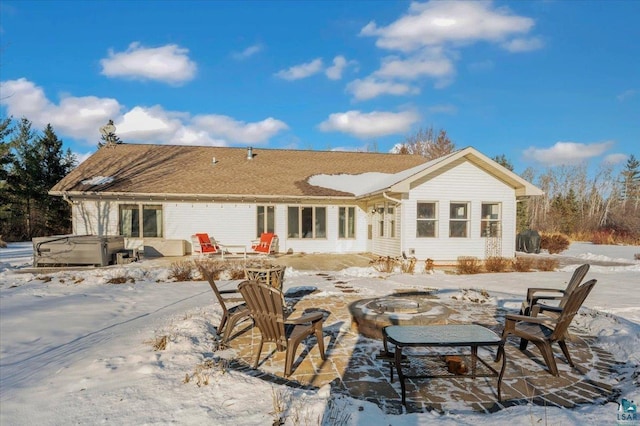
(442, 336)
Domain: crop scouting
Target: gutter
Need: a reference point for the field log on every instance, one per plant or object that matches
(193, 197)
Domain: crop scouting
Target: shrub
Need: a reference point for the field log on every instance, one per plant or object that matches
(120, 280)
(181, 270)
(523, 264)
(497, 264)
(428, 265)
(603, 237)
(636, 256)
(547, 264)
(468, 265)
(554, 243)
(2, 243)
(232, 269)
(408, 266)
(385, 263)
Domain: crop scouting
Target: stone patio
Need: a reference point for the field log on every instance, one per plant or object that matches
(353, 367)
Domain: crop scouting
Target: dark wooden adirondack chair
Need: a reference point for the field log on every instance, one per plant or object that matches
(233, 307)
(535, 295)
(268, 312)
(543, 331)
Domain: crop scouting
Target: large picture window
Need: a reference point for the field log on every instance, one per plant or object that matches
(427, 223)
(139, 221)
(265, 220)
(307, 222)
(491, 223)
(347, 222)
(459, 220)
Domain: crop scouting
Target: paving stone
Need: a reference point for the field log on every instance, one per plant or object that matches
(354, 369)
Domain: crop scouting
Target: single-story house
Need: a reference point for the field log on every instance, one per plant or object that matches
(157, 196)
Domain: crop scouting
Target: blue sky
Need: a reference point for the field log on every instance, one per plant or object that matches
(542, 82)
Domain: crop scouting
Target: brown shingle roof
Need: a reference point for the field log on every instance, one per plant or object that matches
(179, 169)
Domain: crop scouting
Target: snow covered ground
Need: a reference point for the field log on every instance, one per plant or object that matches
(75, 349)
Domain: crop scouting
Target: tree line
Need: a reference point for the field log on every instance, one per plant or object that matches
(576, 203)
(31, 163)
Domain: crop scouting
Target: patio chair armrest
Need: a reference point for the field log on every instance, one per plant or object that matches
(541, 308)
(525, 318)
(532, 290)
(310, 317)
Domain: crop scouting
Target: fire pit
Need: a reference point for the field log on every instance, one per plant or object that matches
(370, 316)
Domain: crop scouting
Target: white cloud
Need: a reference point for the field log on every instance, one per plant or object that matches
(335, 71)
(77, 117)
(298, 72)
(626, 95)
(523, 44)
(82, 117)
(432, 65)
(369, 125)
(248, 52)
(430, 36)
(169, 64)
(453, 22)
(615, 159)
(238, 131)
(371, 87)
(567, 152)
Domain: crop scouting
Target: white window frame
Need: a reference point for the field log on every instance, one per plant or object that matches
(347, 222)
(459, 214)
(421, 220)
(146, 223)
(318, 230)
(491, 221)
(267, 215)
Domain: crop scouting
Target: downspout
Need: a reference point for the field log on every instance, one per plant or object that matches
(65, 197)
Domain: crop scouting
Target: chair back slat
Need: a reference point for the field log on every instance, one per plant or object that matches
(265, 304)
(571, 308)
(574, 282)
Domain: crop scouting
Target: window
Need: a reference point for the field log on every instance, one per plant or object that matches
(347, 222)
(391, 220)
(307, 222)
(459, 220)
(133, 218)
(380, 211)
(426, 220)
(491, 224)
(265, 220)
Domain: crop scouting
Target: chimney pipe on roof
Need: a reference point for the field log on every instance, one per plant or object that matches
(249, 153)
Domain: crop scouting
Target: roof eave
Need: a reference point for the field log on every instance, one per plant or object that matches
(192, 197)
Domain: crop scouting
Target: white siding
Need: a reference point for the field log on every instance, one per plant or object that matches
(228, 223)
(95, 218)
(463, 182)
(388, 246)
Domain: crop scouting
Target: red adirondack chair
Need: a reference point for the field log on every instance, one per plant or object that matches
(267, 243)
(202, 244)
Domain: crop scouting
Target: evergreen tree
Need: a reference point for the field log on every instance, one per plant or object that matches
(35, 164)
(503, 161)
(55, 164)
(631, 180)
(6, 159)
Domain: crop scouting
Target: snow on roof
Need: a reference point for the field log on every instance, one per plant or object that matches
(366, 183)
(98, 180)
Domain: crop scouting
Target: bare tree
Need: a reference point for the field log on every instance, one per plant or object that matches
(425, 143)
